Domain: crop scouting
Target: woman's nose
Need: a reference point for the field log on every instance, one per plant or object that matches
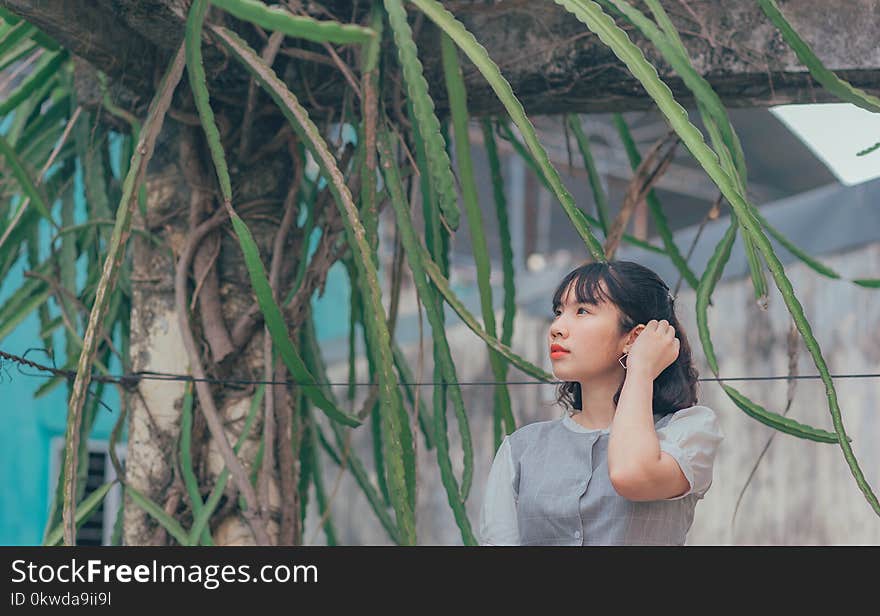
(558, 329)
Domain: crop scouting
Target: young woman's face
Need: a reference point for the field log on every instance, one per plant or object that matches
(591, 336)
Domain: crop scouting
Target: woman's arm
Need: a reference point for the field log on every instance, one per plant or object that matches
(633, 442)
(498, 521)
(638, 469)
(693, 437)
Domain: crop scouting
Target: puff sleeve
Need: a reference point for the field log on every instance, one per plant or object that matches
(692, 436)
(498, 521)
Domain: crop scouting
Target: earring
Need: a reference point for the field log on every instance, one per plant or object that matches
(620, 360)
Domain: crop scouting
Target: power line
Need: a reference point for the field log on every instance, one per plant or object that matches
(131, 380)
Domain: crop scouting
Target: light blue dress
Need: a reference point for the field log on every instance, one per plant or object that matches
(549, 485)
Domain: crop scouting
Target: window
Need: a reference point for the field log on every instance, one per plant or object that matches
(98, 529)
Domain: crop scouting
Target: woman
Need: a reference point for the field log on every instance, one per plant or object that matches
(629, 460)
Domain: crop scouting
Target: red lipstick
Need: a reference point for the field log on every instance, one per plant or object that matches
(557, 351)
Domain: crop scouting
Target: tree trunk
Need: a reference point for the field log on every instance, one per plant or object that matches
(182, 193)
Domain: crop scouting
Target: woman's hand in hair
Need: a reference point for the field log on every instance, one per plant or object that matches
(654, 349)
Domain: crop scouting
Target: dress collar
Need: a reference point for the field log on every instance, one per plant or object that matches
(574, 426)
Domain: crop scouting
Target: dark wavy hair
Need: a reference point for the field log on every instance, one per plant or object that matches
(641, 295)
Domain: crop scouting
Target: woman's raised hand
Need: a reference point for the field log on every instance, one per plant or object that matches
(655, 348)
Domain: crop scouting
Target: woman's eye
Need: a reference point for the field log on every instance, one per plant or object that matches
(557, 312)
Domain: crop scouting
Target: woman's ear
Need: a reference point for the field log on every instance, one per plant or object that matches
(631, 337)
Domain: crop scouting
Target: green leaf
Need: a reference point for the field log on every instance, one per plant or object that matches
(674, 52)
(46, 68)
(412, 248)
(367, 131)
(115, 254)
(22, 310)
(281, 20)
(458, 104)
(724, 138)
(447, 22)
(774, 420)
(168, 523)
(503, 412)
(278, 328)
(10, 57)
(312, 356)
(442, 284)
(869, 149)
(15, 34)
(654, 207)
(318, 481)
(711, 275)
(438, 164)
(831, 82)
(588, 220)
(198, 83)
(85, 510)
(190, 480)
(367, 276)
(27, 184)
(406, 376)
(592, 173)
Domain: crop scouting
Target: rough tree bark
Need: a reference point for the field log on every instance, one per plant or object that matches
(553, 64)
(182, 194)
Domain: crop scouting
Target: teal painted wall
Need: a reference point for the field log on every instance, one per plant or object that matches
(28, 425)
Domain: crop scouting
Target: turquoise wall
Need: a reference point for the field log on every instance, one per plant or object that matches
(28, 424)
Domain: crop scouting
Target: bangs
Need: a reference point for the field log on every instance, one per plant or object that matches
(587, 289)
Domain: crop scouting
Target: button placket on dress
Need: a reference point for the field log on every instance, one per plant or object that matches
(594, 438)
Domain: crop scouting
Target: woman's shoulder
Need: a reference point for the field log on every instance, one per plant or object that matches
(698, 417)
(534, 428)
(697, 410)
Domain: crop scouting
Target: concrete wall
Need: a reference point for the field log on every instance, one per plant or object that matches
(802, 493)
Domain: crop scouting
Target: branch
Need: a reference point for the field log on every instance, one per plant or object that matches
(552, 62)
(206, 398)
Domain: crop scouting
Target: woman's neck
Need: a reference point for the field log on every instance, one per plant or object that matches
(597, 402)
